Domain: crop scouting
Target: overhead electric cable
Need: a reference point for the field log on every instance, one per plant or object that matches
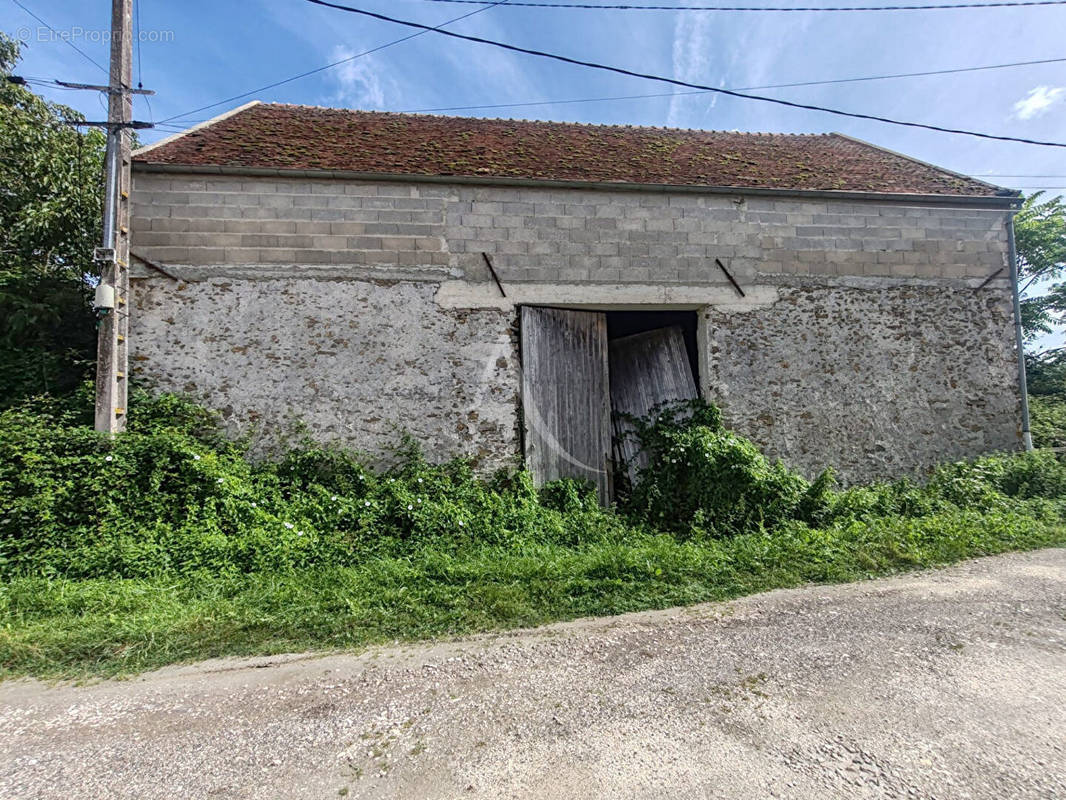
(676, 82)
(59, 36)
(488, 5)
(743, 88)
(1009, 175)
(804, 9)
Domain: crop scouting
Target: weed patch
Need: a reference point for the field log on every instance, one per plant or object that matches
(166, 544)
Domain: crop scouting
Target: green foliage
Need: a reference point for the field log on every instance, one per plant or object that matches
(1046, 374)
(701, 480)
(715, 483)
(174, 496)
(167, 543)
(1040, 240)
(50, 179)
(74, 628)
(1047, 419)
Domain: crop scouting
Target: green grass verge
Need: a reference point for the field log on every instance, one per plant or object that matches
(67, 628)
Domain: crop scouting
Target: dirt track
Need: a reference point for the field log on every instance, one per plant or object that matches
(947, 684)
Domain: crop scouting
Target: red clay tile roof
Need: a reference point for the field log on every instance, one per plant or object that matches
(284, 137)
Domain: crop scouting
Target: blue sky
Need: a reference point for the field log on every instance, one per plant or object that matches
(194, 53)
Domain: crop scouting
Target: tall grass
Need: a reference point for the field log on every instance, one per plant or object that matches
(167, 544)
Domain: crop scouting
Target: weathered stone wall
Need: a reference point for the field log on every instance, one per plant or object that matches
(357, 362)
(865, 340)
(876, 381)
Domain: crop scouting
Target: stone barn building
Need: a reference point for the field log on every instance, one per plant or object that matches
(500, 287)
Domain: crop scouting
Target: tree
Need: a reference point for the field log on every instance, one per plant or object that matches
(1040, 238)
(51, 178)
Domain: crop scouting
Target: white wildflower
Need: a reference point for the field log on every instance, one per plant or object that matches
(460, 523)
(253, 505)
(367, 504)
(334, 498)
(289, 525)
(419, 480)
(196, 458)
(410, 507)
(219, 480)
(107, 458)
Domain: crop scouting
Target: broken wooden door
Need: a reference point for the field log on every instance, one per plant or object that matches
(646, 369)
(565, 396)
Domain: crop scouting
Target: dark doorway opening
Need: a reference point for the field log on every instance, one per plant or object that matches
(626, 323)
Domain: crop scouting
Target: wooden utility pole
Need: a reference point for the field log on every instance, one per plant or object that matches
(113, 255)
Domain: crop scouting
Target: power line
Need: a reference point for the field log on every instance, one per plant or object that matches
(675, 82)
(46, 84)
(744, 88)
(739, 89)
(614, 7)
(61, 37)
(1008, 175)
(487, 5)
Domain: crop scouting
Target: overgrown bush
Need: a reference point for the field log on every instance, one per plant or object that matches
(174, 496)
(1047, 419)
(703, 480)
(713, 482)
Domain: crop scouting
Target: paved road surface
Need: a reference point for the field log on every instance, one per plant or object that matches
(947, 684)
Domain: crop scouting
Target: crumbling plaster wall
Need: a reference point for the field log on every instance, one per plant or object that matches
(866, 339)
(874, 380)
(356, 362)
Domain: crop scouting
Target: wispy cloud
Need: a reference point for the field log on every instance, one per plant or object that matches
(358, 82)
(1039, 101)
(691, 56)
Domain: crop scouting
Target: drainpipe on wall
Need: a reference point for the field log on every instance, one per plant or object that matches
(1012, 254)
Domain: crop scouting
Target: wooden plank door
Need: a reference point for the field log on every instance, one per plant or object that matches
(565, 396)
(646, 369)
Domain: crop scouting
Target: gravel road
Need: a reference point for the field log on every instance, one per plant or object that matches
(944, 684)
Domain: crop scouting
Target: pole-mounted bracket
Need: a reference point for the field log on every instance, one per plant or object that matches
(104, 255)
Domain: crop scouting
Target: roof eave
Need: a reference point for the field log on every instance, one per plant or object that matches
(1006, 201)
(140, 151)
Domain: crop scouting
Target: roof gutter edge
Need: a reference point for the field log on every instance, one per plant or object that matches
(271, 172)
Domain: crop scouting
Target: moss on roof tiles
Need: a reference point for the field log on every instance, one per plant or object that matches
(276, 136)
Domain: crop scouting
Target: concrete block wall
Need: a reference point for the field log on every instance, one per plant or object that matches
(552, 235)
(200, 220)
(574, 236)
